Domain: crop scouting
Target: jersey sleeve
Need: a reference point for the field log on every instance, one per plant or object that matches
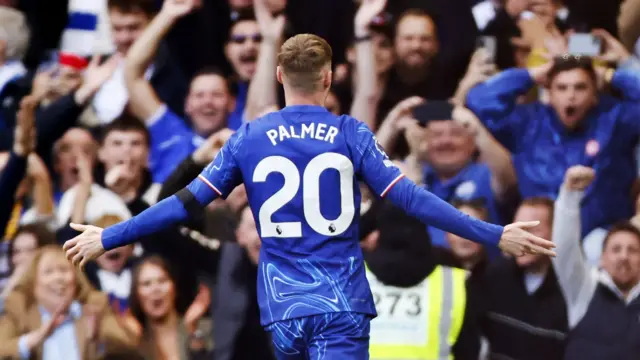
(218, 179)
(372, 163)
(222, 175)
(433, 211)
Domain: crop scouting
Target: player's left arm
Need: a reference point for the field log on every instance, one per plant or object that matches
(386, 180)
(218, 179)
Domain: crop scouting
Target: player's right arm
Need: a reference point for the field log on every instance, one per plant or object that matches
(386, 180)
(218, 179)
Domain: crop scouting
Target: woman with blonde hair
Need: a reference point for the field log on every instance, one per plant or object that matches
(54, 313)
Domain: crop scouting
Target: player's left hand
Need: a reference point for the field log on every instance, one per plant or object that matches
(517, 241)
(84, 247)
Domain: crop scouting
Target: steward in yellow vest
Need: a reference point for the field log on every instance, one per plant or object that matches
(423, 309)
(419, 322)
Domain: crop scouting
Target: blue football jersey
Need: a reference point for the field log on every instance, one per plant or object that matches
(301, 168)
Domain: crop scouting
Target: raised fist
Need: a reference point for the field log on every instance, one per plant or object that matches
(578, 178)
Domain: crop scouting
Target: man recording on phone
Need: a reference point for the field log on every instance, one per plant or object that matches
(577, 126)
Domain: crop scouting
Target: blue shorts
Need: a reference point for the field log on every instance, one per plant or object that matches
(340, 335)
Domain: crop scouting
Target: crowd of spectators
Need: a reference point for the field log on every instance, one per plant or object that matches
(511, 110)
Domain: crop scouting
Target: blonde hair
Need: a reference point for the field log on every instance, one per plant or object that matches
(27, 281)
(302, 59)
(14, 31)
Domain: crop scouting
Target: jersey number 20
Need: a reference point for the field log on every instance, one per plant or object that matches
(310, 195)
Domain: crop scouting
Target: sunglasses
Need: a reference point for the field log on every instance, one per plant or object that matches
(571, 58)
(240, 39)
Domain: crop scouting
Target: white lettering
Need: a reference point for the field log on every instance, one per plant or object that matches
(272, 135)
(283, 133)
(331, 134)
(293, 132)
(308, 130)
(317, 131)
(320, 131)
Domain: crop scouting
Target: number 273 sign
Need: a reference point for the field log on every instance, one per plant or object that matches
(403, 314)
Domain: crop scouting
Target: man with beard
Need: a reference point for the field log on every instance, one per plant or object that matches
(208, 104)
(603, 304)
(577, 127)
(417, 70)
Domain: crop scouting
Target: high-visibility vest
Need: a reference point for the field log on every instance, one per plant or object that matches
(421, 322)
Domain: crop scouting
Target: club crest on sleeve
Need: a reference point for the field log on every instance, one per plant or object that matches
(380, 148)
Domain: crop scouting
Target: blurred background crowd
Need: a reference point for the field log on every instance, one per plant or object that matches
(511, 110)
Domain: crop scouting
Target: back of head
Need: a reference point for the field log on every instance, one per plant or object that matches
(403, 256)
(304, 64)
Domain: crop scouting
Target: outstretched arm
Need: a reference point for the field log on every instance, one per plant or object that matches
(432, 210)
(218, 179)
(386, 180)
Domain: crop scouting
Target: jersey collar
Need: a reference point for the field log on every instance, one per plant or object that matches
(305, 108)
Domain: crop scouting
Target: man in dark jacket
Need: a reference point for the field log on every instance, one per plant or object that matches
(521, 312)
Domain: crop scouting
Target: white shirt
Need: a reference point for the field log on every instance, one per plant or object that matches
(112, 97)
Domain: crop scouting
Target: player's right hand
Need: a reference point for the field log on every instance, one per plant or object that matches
(517, 241)
(84, 247)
